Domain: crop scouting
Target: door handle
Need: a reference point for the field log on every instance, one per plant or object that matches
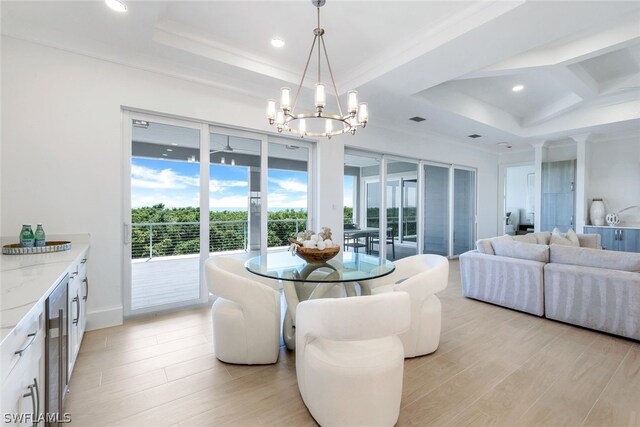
(86, 280)
(621, 235)
(77, 301)
(33, 338)
(32, 394)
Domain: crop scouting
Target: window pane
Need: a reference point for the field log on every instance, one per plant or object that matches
(234, 193)
(288, 178)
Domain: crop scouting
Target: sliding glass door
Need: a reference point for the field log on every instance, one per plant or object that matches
(464, 210)
(436, 209)
(164, 210)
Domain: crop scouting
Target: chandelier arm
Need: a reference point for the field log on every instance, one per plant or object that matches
(304, 73)
(335, 89)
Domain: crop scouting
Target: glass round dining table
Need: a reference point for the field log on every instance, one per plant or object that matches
(303, 280)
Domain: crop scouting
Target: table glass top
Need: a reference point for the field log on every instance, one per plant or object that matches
(344, 267)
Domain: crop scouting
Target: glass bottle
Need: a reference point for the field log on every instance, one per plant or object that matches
(39, 236)
(26, 236)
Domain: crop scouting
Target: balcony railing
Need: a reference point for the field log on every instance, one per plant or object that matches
(158, 239)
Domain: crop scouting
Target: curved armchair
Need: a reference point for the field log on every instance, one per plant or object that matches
(246, 314)
(421, 276)
(349, 359)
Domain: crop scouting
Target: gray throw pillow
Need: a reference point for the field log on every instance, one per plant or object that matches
(542, 237)
(484, 247)
(512, 249)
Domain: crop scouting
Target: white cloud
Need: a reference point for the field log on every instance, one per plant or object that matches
(284, 200)
(144, 177)
(290, 184)
(228, 202)
(221, 185)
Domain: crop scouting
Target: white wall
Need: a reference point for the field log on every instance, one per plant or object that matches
(62, 151)
(615, 177)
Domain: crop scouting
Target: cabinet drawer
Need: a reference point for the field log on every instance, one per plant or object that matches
(26, 336)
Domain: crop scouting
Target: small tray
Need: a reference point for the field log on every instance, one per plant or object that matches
(16, 249)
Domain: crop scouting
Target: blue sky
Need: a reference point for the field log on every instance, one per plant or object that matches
(176, 184)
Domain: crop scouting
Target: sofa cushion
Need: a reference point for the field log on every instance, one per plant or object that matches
(525, 238)
(513, 249)
(542, 237)
(569, 239)
(598, 258)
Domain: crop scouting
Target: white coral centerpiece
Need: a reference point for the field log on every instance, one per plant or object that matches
(309, 239)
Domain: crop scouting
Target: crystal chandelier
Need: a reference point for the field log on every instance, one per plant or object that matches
(317, 123)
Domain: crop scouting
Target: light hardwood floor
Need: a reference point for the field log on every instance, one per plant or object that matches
(494, 367)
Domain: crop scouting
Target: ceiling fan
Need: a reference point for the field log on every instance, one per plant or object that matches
(226, 149)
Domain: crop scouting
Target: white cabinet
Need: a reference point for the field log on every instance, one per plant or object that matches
(23, 385)
(77, 295)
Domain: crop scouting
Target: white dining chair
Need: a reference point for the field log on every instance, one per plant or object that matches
(349, 359)
(246, 313)
(421, 276)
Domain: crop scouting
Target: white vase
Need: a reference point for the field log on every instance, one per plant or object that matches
(597, 212)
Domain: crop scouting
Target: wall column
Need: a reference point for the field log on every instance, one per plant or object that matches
(540, 154)
(581, 185)
(328, 176)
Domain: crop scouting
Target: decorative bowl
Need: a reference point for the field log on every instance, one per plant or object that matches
(315, 255)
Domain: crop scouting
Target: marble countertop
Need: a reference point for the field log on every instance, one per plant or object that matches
(27, 280)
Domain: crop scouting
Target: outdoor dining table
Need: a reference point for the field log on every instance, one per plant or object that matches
(303, 280)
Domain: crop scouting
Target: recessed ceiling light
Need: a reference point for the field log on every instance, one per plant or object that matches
(169, 149)
(417, 119)
(277, 42)
(116, 5)
(164, 154)
(517, 88)
(475, 135)
(173, 143)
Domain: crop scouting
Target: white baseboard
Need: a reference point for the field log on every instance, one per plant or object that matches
(104, 318)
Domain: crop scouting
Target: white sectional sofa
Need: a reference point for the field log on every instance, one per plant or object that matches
(584, 285)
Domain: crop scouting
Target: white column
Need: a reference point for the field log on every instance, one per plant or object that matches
(329, 177)
(581, 184)
(540, 156)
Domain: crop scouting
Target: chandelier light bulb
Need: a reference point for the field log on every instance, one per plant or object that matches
(233, 162)
(271, 110)
(352, 102)
(279, 118)
(285, 99)
(222, 160)
(328, 126)
(363, 113)
(321, 96)
(302, 127)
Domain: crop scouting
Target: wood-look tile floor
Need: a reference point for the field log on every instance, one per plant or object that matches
(494, 367)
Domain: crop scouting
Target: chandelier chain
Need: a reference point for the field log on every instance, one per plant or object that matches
(335, 88)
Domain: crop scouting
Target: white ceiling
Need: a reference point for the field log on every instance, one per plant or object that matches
(452, 62)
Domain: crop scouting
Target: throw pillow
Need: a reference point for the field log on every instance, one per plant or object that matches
(513, 249)
(573, 237)
(484, 247)
(558, 238)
